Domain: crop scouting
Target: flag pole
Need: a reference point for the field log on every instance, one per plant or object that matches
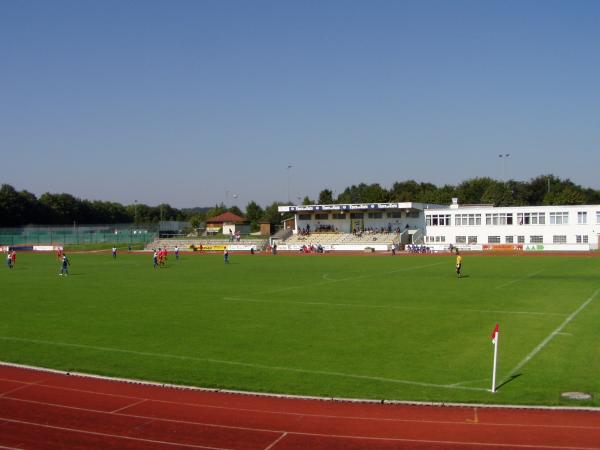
(495, 337)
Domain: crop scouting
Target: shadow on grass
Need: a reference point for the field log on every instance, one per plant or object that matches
(508, 380)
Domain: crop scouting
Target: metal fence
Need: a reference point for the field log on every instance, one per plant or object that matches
(88, 234)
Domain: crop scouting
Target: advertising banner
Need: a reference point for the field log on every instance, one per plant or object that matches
(503, 247)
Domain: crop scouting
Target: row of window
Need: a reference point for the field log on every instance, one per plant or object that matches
(524, 218)
(556, 239)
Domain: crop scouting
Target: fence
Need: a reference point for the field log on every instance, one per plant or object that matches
(89, 234)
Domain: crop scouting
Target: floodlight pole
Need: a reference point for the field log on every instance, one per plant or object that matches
(288, 171)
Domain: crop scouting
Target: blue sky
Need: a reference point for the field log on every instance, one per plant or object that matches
(197, 102)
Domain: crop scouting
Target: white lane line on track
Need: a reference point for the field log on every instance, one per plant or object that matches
(244, 364)
(366, 305)
(318, 435)
(458, 421)
(296, 414)
(277, 441)
(531, 275)
(18, 388)
(108, 435)
(131, 405)
(551, 336)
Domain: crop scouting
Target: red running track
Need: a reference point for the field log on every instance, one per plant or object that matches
(49, 410)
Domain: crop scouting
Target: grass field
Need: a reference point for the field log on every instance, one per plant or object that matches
(346, 326)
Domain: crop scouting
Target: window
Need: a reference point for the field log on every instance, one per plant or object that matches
(581, 239)
(394, 215)
(562, 239)
(597, 216)
(472, 239)
(321, 216)
(559, 218)
(304, 216)
(375, 215)
(356, 215)
(467, 219)
(339, 216)
(461, 239)
(499, 219)
(531, 218)
(437, 219)
(493, 239)
(509, 239)
(521, 239)
(536, 239)
(581, 217)
(437, 239)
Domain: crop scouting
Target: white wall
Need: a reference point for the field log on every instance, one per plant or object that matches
(547, 231)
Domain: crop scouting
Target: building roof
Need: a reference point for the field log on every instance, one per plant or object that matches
(226, 217)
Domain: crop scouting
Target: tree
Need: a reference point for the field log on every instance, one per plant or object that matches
(196, 221)
(254, 214)
(405, 191)
(497, 194)
(216, 210)
(63, 208)
(273, 216)
(12, 207)
(325, 197)
(364, 193)
(471, 191)
(235, 210)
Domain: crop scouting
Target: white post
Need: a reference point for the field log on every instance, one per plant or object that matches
(495, 362)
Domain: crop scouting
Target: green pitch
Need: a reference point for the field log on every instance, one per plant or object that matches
(368, 327)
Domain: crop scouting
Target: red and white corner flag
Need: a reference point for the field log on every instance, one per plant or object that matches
(495, 336)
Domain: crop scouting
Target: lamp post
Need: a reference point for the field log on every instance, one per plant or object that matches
(503, 157)
(288, 171)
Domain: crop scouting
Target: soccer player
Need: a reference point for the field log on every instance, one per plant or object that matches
(155, 259)
(226, 256)
(13, 257)
(458, 264)
(114, 252)
(64, 267)
(9, 260)
(177, 253)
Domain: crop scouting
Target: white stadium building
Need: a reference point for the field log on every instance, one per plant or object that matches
(378, 226)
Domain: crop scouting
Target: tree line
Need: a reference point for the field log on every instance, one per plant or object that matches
(20, 208)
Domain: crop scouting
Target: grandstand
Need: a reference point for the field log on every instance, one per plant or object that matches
(341, 241)
(356, 227)
(437, 227)
(209, 244)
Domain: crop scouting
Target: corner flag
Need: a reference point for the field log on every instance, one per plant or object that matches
(495, 336)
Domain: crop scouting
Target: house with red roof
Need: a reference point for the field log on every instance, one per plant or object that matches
(227, 224)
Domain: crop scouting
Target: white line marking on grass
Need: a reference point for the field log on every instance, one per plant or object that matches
(368, 305)
(531, 275)
(328, 280)
(545, 342)
(243, 364)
